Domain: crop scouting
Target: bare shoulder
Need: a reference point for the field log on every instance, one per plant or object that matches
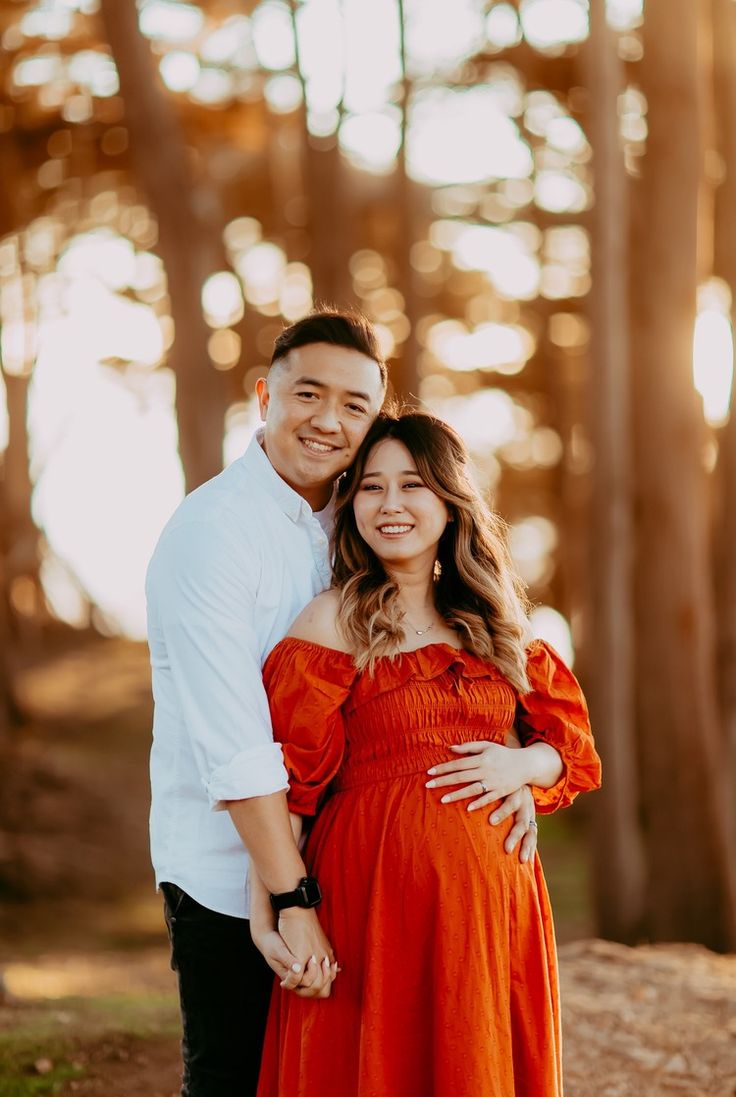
(317, 622)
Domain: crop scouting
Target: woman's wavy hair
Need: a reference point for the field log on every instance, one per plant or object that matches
(477, 591)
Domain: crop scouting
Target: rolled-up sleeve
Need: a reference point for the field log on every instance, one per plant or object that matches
(205, 589)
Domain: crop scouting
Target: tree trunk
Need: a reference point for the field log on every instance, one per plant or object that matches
(618, 863)
(692, 890)
(724, 41)
(404, 373)
(323, 183)
(185, 239)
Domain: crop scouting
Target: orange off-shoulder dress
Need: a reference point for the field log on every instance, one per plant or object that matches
(449, 983)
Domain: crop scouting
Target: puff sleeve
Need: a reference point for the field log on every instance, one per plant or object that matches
(554, 711)
(306, 686)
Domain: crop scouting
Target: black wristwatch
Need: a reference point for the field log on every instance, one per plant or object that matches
(306, 894)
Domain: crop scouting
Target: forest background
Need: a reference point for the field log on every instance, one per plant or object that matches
(535, 202)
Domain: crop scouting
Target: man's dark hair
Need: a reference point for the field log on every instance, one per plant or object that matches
(346, 328)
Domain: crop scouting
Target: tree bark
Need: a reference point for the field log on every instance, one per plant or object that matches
(618, 863)
(187, 243)
(404, 372)
(724, 42)
(692, 890)
(323, 183)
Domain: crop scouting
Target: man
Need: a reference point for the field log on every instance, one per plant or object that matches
(236, 563)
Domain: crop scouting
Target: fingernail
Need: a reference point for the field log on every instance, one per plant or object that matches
(432, 770)
(430, 784)
(472, 807)
(494, 819)
(445, 800)
(296, 968)
(313, 959)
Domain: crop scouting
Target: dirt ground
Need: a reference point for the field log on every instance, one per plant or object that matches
(87, 1000)
(645, 1022)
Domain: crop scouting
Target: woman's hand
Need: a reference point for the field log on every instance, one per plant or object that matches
(301, 932)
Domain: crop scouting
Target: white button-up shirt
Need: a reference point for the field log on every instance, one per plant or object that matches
(237, 562)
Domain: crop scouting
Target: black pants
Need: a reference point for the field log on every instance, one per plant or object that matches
(224, 989)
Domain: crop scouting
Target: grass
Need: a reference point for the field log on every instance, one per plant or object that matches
(61, 1031)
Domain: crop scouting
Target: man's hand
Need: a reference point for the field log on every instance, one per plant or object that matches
(279, 958)
(520, 804)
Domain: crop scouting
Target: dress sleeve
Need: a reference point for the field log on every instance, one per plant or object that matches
(554, 711)
(306, 686)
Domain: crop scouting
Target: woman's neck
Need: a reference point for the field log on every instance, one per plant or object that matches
(416, 590)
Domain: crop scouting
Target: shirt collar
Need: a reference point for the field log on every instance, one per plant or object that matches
(293, 505)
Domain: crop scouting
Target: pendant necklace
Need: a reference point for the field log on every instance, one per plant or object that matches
(418, 631)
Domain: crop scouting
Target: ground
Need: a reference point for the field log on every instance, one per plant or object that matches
(87, 1000)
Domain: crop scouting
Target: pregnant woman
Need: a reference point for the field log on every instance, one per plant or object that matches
(448, 981)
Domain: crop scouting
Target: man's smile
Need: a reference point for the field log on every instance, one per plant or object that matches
(318, 447)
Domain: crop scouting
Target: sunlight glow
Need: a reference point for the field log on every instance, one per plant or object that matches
(105, 529)
(435, 41)
(553, 23)
(502, 26)
(372, 140)
(273, 36)
(504, 255)
(321, 54)
(713, 355)
(372, 65)
(231, 44)
(222, 300)
(531, 543)
(547, 624)
(283, 93)
(624, 15)
(174, 22)
(179, 70)
(443, 148)
(260, 270)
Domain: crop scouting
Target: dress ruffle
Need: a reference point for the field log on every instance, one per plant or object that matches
(313, 688)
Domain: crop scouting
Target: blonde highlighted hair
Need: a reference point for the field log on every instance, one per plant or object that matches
(476, 590)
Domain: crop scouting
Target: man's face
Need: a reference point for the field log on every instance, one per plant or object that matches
(318, 404)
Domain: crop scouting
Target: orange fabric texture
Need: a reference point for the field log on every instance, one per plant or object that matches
(449, 981)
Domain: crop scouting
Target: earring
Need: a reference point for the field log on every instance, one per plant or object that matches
(437, 570)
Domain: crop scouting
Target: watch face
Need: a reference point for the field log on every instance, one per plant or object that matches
(311, 892)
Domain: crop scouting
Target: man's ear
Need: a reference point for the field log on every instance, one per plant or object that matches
(262, 395)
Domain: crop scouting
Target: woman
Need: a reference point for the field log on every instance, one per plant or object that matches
(448, 981)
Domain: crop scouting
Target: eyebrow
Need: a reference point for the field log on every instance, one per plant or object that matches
(406, 472)
(321, 385)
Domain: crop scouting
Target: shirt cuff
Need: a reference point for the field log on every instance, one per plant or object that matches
(259, 771)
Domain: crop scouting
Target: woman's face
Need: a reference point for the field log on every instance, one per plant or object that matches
(396, 513)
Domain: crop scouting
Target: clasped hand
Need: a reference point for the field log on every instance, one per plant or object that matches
(488, 772)
(298, 952)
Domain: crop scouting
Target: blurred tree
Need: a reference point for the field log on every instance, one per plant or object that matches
(692, 886)
(323, 184)
(407, 210)
(618, 863)
(724, 45)
(189, 235)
